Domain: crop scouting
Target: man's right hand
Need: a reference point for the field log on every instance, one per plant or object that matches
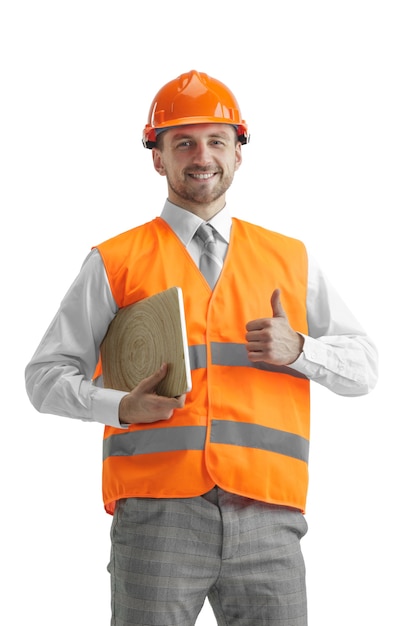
(144, 406)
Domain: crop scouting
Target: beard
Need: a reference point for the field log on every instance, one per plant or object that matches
(201, 194)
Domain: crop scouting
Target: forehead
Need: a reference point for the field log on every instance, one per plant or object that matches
(227, 131)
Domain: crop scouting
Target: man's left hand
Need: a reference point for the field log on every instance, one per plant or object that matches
(271, 339)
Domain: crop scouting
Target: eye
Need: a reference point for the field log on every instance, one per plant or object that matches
(218, 142)
(184, 144)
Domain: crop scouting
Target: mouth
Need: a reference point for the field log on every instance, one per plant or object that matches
(202, 175)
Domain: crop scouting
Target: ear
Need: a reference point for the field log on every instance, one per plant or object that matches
(238, 156)
(157, 161)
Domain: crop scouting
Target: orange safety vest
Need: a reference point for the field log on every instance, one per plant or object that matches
(244, 427)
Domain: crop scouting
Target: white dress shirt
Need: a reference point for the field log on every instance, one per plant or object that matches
(337, 353)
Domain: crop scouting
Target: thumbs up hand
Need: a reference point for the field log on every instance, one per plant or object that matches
(271, 339)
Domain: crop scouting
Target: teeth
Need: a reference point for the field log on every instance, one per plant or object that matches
(202, 175)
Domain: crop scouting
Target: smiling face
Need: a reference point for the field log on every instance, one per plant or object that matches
(199, 162)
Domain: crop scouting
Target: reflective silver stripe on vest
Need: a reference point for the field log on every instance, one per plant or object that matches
(236, 354)
(198, 356)
(173, 439)
(179, 438)
(261, 437)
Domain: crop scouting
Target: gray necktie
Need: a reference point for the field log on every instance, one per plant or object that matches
(210, 263)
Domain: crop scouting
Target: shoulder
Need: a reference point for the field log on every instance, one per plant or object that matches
(246, 229)
(132, 233)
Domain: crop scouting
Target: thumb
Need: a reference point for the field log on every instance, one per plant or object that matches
(150, 383)
(277, 308)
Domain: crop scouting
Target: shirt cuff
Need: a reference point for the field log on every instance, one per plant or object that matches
(105, 407)
(314, 355)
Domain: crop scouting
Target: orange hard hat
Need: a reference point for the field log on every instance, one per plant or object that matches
(193, 98)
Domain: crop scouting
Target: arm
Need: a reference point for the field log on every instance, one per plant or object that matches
(337, 353)
(59, 375)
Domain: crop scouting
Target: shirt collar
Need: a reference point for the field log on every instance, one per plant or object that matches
(184, 224)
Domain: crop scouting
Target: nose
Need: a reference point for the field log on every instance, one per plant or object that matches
(202, 154)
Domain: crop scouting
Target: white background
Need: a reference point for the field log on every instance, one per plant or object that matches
(329, 91)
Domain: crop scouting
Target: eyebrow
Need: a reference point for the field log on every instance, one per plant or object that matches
(220, 135)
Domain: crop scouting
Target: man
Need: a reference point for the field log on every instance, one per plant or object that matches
(208, 489)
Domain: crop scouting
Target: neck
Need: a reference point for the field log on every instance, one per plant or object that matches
(204, 211)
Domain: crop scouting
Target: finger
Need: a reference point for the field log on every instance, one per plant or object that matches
(255, 346)
(255, 325)
(253, 335)
(180, 401)
(150, 383)
(255, 355)
(277, 308)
